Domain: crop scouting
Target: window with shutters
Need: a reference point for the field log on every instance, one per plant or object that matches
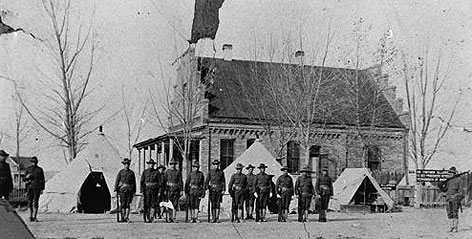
(373, 157)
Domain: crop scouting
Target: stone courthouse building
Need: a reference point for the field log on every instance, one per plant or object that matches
(233, 108)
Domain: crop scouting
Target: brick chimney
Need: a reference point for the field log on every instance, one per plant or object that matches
(227, 52)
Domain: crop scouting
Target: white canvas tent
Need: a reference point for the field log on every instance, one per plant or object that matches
(256, 154)
(76, 183)
(349, 182)
(11, 225)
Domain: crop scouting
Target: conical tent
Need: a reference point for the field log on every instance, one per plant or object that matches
(87, 183)
(351, 183)
(256, 154)
(12, 226)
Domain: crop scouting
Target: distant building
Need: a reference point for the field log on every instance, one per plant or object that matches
(18, 166)
(226, 124)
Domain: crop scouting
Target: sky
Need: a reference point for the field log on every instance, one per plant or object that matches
(138, 40)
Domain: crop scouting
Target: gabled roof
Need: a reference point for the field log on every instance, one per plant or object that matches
(23, 162)
(237, 84)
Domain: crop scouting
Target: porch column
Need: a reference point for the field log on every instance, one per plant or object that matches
(157, 153)
(171, 149)
(162, 159)
(139, 157)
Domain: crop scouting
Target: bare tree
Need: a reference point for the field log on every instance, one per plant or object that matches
(181, 109)
(64, 116)
(424, 83)
(135, 121)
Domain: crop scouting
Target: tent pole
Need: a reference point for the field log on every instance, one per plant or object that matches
(365, 191)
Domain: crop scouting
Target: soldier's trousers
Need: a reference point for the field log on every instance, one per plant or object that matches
(33, 197)
(452, 209)
(262, 200)
(250, 199)
(150, 197)
(215, 199)
(285, 201)
(174, 197)
(126, 197)
(238, 201)
(194, 201)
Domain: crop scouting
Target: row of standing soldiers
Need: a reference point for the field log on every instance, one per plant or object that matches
(246, 190)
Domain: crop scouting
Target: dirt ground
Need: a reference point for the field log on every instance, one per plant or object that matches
(411, 223)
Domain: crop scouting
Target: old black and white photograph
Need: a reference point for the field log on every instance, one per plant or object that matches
(297, 119)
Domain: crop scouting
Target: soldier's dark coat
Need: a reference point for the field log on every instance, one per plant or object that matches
(237, 188)
(263, 187)
(6, 182)
(34, 185)
(284, 187)
(194, 188)
(250, 198)
(216, 184)
(150, 187)
(324, 188)
(125, 185)
(304, 190)
(453, 190)
(174, 186)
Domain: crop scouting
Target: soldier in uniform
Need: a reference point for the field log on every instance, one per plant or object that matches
(174, 188)
(149, 188)
(237, 189)
(324, 190)
(125, 187)
(305, 191)
(250, 198)
(162, 189)
(263, 188)
(6, 182)
(284, 189)
(194, 190)
(453, 191)
(216, 184)
(34, 186)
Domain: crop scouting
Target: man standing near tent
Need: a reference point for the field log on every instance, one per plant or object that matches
(194, 190)
(284, 189)
(453, 190)
(125, 186)
(6, 182)
(34, 185)
(149, 188)
(324, 189)
(174, 188)
(263, 187)
(216, 185)
(162, 189)
(250, 198)
(304, 190)
(237, 189)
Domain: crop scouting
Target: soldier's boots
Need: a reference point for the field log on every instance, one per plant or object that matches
(305, 216)
(263, 215)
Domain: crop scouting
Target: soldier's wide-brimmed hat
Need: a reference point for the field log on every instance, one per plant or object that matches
(126, 161)
(151, 161)
(453, 169)
(306, 169)
(250, 166)
(283, 168)
(173, 161)
(3, 153)
(34, 159)
(239, 166)
(262, 166)
(161, 166)
(195, 164)
(216, 161)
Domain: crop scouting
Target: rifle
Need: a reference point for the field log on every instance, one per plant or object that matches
(232, 206)
(118, 207)
(145, 207)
